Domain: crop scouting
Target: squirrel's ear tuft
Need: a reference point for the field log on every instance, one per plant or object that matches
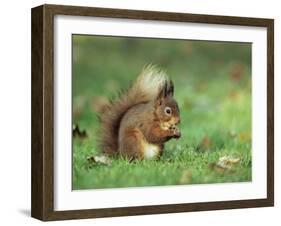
(165, 89)
(162, 94)
(170, 88)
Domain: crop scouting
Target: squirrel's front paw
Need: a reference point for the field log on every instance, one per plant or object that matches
(175, 132)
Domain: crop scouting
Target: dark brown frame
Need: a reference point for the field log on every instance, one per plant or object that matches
(42, 198)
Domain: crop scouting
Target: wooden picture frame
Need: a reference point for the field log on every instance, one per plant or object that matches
(42, 203)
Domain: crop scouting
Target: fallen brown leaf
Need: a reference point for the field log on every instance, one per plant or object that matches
(224, 164)
(227, 162)
(102, 159)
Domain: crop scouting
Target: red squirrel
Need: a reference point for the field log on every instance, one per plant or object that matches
(138, 123)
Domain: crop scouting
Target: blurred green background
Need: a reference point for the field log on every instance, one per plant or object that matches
(212, 86)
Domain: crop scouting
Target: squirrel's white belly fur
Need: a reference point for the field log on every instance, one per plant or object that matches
(151, 151)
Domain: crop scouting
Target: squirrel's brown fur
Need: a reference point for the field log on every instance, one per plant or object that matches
(142, 119)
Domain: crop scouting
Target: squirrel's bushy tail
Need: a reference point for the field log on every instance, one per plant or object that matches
(144, 89)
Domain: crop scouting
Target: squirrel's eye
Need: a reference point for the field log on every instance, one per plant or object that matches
(168, 110)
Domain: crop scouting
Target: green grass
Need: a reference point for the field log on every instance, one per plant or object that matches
(213, 89)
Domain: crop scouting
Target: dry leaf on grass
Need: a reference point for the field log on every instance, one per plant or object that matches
(102, 159)
(225, 163)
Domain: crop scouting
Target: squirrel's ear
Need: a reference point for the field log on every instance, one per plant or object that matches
(170, 88)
